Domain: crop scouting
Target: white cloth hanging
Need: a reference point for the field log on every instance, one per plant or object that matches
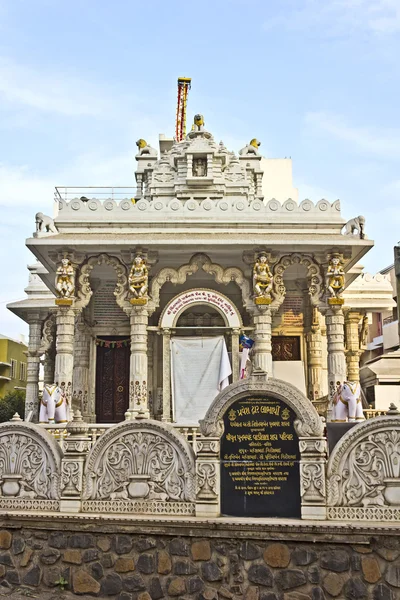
(200, 369)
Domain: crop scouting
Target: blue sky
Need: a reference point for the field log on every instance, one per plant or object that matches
(81, 81)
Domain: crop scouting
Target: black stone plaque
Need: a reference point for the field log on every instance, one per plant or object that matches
(260, 472)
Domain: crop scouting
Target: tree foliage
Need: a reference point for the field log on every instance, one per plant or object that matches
(11, 403)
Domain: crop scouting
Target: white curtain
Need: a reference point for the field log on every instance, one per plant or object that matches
(200, 369)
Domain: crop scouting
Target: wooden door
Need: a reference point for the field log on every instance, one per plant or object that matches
(285, 347)
(112, 384)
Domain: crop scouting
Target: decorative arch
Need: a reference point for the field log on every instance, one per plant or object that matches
(85, 291)
(314, 276)
(150, 451)
(363, 473)
(307, 424)
(199, 261)
(33, 458)
(190, 298)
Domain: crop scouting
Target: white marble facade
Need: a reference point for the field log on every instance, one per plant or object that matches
(198, 220)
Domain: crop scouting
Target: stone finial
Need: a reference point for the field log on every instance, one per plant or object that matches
(16, 417)
(393, 411)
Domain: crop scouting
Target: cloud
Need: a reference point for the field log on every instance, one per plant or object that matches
(378, 142)
(51, 92)
(338, 17)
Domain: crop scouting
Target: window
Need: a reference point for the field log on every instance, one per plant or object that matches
(22, 371)
(13, 369)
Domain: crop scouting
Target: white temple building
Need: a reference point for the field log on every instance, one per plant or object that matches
(139, 297)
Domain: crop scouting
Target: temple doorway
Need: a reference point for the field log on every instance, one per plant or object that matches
(112, 379)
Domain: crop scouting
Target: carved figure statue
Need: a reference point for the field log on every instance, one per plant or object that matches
(144, 148)
(54, 406)
(199, 167)
(262, 278)
(355, 227)
(251, 148)
(347, 405)
(198, 122)
(335, 277)
(45, 224)
(139, 277)
(65, 279)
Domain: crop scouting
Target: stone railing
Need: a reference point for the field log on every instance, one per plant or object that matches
(96, 430)
(93, 209)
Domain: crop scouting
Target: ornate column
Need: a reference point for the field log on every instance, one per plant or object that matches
(166, 412)
(33, 364)
(207, 476)
(138, 398)
(150, 362)
(336, 357)
(80, 383)
(312, 477)
(65, 324)
(314, 356)
(235, 354)
(352, 320)
(262, 320)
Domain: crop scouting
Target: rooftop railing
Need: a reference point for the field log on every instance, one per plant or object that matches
(87, 193)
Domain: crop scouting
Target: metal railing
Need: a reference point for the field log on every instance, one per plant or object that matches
(86, 193)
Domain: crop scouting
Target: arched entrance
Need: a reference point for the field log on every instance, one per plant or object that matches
(198, 327)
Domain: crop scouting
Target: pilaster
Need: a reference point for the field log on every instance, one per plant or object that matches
(166, 399)
(235, 355)
(314, 357)
(80, 383)
(76, 448)
(207, 477)
(313, 477)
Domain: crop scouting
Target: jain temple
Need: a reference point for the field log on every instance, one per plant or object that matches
(194, 423)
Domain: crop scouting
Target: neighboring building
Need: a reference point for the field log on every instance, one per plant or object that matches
(380, 362)
(13, 365)
(201, 219)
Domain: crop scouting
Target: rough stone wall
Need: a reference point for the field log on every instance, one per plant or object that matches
(146, 566)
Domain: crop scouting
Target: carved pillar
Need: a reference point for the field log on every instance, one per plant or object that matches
(32, 370)
(76, 449)
(262, 336)
(312, 477)
(48, 366)
(80, 383)
(150, 362)
(353, 352)
(314, 357)
(166, 400)
(235, 355)
(207, 477)
(139, 188)
(138, 398)
(65, 324)
(336, 357)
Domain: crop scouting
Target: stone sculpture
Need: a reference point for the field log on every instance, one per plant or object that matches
(45, 224)
(355, 227)
(347, 405)
(251, 148)
(262, 280)
(139, 280)
(198, 122)
(65, 279)
(145, 148)
(199, 167)
(54, 405)
(335, 280)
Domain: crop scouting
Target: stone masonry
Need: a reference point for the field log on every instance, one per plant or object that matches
(152, 561)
